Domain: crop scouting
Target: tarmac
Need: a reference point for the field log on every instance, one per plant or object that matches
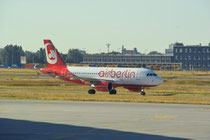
(77, 120)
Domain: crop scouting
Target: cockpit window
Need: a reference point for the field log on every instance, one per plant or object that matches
(151, 74)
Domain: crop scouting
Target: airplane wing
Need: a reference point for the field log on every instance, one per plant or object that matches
(92, 80)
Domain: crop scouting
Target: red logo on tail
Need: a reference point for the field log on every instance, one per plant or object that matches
(51, 53)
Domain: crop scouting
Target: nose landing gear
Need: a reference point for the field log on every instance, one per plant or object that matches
(142, 91)
(91, 91)
(112, 91)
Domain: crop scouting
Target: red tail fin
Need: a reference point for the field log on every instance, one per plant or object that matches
(53, 56)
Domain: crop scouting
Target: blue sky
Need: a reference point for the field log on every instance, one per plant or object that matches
(90, 24)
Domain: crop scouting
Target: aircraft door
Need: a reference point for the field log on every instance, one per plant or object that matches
(138, 75)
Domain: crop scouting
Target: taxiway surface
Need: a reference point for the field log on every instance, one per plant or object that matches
(28, 119)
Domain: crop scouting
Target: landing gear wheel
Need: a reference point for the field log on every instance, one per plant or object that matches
(91, 91)
(113, 91)
(143, 93)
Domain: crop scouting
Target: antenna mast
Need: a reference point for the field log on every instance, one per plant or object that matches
(108, 47)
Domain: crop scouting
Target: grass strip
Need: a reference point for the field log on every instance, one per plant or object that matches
(184, 99)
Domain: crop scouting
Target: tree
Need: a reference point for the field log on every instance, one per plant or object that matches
(11, 54)
(113, 52)
(63, 56)
(30, 56)
(74, 56)
(41, 56)
(154, 52)
(37, 57)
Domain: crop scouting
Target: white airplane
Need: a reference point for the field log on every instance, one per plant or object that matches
(105, 79)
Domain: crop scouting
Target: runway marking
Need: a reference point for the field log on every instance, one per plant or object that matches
(163, 117)
(44, 104)
(108, 127)
(201, 109)
(4, 111)
(125, 124)
(141, 121)
(175, 129)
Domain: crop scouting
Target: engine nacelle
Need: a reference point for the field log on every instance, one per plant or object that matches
(104, 86)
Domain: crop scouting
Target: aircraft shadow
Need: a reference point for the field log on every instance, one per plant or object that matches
(11, 129)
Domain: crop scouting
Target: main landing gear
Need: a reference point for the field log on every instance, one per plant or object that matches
(142, 91)
(109, 88)
(112, 91)
(91, 91)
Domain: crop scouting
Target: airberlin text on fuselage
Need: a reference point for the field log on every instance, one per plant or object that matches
(118, 74)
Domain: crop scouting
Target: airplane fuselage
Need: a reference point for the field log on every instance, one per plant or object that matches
(122, 76)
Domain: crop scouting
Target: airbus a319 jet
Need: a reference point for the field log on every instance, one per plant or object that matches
(105, 79)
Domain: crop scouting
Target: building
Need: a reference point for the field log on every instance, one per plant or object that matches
(137, 60)
(178, 56)
(125, 51)
(82, 52)
(170, 49)
(192, 57)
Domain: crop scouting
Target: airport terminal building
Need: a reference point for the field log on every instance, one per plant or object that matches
(192, 57)
(137, 60)
(177, 56)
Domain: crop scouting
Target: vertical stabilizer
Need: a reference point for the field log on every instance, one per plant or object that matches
(53, 56)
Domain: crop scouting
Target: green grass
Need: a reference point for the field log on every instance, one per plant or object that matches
(193, 90)
(110, 98)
